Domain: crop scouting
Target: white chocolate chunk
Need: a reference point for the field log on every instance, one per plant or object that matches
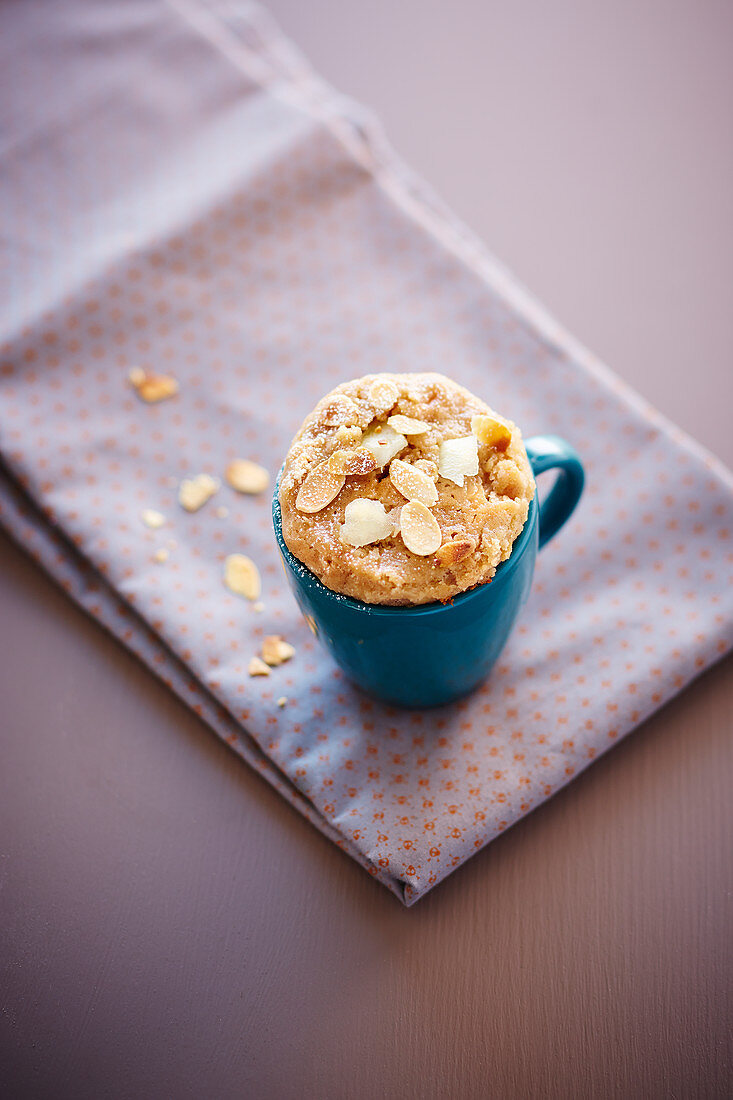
(151, 518)
(242, 577)
(319, 489)
(193, 492)
(365, 522)
(492, 431)
(458, 458)
(411, 483)
(419, 529)
(247, 477)
(407, 425)
(382, 395)
(383, 442)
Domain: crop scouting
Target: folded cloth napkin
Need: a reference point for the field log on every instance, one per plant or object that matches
(180, 192)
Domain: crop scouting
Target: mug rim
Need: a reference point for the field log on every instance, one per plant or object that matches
(503, 570)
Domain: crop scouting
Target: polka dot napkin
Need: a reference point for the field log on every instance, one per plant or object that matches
(181, 194)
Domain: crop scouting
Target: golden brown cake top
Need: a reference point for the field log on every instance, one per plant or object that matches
(404, 489)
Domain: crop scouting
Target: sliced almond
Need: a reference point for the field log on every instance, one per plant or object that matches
(275, 651)
(411, 483)
(152, 387)
(319, 489)
(499, 519)
(427, 467)
(352, 463)
(492, 431)
(407, 425)
(458, 458)
(151, 518)
(257, 667)
(383, 394)
(419, 529)
(394, 516)
(242, 576)
(365, 522)
(340, 411)
(383, 442)
(451, 553)
(348, 436)
(193, 492)
(246, 476)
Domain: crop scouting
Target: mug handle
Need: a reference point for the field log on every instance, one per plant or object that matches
(550, 452)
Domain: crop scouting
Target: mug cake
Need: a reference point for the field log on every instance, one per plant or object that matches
(404, 489)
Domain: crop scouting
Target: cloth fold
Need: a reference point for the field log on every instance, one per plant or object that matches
(181, 192)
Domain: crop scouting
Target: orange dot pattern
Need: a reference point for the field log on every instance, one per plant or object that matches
(267, 264)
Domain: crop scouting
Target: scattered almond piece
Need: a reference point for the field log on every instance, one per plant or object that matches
(365, 522)
(419, 529)
(458, 458)
(352, 463)
(492, 431)
(221, 512)
(246, 476)
(193, 492)
(319, 489)
(453, 552)
(258, 606)
(407, 425)
(161, 555)
(383, 443)
(382, 395)
(151, 518)
(282, 701)
(242, 577)
(411, 483)
(257, 667)
(275, 651)
(152, 387)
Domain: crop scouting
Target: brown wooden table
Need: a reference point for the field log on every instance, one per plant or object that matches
(169, 927)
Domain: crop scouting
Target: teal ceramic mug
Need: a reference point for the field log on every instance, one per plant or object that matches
(434, 653)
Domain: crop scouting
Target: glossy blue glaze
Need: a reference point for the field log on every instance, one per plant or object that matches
(432, 654)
